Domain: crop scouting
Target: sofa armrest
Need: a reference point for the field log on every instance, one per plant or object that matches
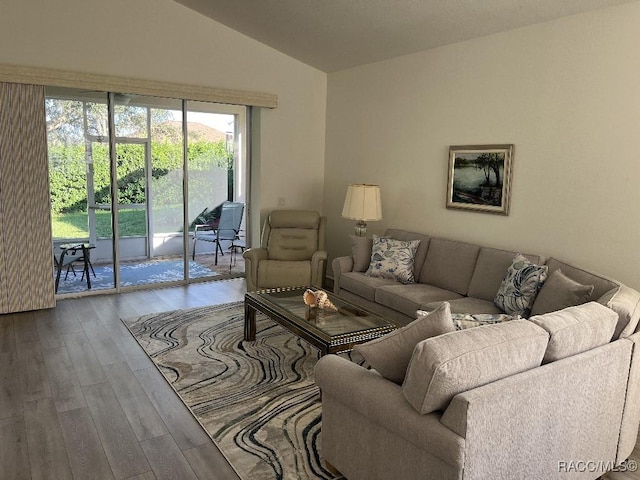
(340, 265)
(318, 268)
(527, 425)
(252, 258)
(631, 415)
(352, 388)
(625, 301)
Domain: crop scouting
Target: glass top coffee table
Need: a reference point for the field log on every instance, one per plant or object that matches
(329, 331)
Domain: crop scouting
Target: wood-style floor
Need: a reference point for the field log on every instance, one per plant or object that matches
(79, 398)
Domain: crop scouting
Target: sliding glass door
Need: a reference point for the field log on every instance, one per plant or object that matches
(80, 186)
(216, 165)
(118, 165)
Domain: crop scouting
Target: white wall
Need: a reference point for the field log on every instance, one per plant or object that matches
(566, 93)
(163, 40)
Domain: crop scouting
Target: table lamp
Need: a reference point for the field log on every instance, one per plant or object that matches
(362, 203)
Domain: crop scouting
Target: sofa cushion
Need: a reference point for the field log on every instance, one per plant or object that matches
(559, 292)
(601, 284)
(362, 285)
(389, 355)
(520, 285)
(443, 366)
(391, 258)
(408, 298)
(361, 252)
(421, 253)
(449, 265)
(489, 272)
(466, 305)
(625, 302)
(576, 329)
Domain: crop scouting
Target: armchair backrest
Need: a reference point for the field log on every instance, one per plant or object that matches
(293, 234)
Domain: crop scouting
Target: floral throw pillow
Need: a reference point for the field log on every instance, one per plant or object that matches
(463, 321)
(520, 286)
(391, 258)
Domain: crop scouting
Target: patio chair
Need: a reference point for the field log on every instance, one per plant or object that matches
(227, 228)
(68, 262)
(72, 253)
(208, 217)
(292, 251)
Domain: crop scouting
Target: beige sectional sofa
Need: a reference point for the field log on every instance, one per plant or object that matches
(554, 396)
(464, 274)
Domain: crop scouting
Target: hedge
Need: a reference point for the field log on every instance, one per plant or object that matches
(68, 173)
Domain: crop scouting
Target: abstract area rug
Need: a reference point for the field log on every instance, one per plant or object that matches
(257, 400)
(143, 273)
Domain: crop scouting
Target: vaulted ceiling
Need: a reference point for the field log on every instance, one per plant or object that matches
(332, 35)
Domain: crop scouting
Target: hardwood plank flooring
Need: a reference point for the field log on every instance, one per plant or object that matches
(47, 330)
(10, 386)
(44, 436)
(86, 454)
(25, 327)
(168, 460)
(80, 399)
(33, 372)
(14, 458)
(65, 386)
(120, 443)
(7, 334)
(85, 361)
(142, 415)
(174, 413)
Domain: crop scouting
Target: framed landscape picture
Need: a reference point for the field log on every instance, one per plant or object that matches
(480, 178)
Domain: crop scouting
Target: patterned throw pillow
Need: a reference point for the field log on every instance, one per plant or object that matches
(463, 321)
(520, 286)
(391, 258)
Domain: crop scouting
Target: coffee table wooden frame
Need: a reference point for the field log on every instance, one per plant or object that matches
(257, 302)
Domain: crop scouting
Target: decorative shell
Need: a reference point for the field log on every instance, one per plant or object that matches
(309, 298)
(323, 302)
(318, 299)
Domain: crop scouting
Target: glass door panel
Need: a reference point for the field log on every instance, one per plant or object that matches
(131, 172)
(211, 134)
(166, 212)
(73, 152)
(149, 166)
(100, 211)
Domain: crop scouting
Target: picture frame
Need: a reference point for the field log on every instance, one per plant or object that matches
(480, 178)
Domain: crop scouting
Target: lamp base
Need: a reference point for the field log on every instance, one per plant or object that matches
(361, 229)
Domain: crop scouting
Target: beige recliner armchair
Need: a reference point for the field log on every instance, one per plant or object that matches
(292, 251)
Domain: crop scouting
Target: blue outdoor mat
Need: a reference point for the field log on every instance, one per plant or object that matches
(143, 273)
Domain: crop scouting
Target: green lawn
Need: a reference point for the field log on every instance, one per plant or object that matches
(76, 225)
(132, 223)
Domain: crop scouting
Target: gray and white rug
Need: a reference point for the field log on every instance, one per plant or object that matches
(257, 400)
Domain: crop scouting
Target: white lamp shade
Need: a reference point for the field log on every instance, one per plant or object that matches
(363, 203)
